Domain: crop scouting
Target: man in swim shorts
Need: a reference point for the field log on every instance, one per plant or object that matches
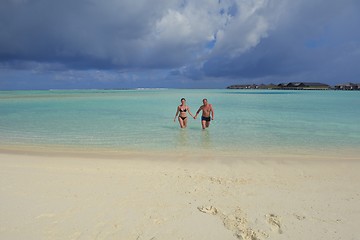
(207, 111)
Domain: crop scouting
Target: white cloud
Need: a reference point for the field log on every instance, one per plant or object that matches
(253, 21)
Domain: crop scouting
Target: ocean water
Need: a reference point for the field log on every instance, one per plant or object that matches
(262, 121)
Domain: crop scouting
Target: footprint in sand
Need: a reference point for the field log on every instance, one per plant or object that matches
(235, 222)
(275, 223)
(210, 210)
(299, 217)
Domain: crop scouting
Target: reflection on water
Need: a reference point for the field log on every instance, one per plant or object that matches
(193, 139)
(206, 142)
(182, 138)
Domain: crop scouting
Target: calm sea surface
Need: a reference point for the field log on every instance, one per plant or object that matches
(267, 121)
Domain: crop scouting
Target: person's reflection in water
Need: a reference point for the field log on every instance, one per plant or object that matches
(182, 138)
(206, 140)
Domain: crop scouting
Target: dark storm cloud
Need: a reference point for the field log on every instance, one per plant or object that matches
(122, 33)
(80, 34)
(199, 40)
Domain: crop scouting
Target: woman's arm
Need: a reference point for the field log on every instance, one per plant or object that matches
(188, 108)
(177, 112)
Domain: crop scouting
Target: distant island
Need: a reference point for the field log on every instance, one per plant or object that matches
(298, 86)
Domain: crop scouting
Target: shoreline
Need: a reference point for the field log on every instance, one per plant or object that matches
(152, 197)
(184, 153)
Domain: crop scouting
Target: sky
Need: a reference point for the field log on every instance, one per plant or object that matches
(88, 44)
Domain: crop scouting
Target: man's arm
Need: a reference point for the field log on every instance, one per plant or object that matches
(212, 112)
(197, 112)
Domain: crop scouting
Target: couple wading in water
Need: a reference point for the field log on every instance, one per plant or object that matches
(207, 113)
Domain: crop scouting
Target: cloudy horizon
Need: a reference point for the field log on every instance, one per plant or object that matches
(176, 43)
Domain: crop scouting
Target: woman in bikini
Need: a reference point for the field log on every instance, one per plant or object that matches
(181, 111)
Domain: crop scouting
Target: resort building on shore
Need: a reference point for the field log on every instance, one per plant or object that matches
(298, 86)
(348, 86)
(304, 86)
(284, 86)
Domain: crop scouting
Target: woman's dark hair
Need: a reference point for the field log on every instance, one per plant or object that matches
(183, 99)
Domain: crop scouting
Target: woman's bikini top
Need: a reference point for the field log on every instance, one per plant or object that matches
(182, 110)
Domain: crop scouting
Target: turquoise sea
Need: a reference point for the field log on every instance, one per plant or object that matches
(141, 120)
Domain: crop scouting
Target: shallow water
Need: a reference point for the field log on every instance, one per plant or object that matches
(267, 121)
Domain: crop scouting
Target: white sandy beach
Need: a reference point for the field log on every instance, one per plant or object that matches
(57, 197)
